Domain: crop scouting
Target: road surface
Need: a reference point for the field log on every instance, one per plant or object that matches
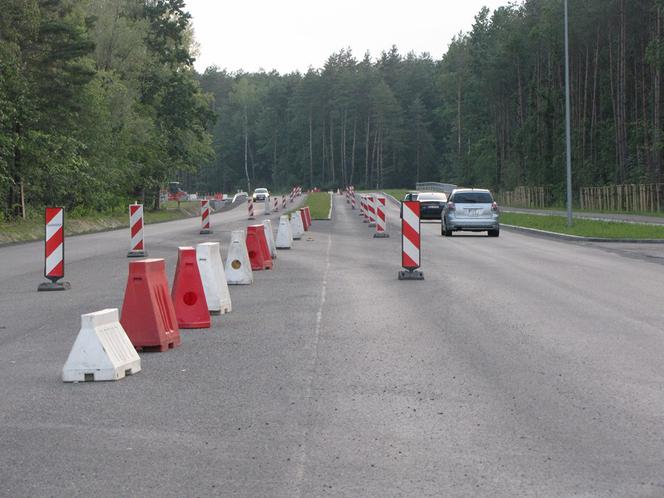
(520, 366)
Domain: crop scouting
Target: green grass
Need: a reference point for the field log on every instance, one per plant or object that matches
(398, 194)
(319, 204)
(33, 229)
(584, 228)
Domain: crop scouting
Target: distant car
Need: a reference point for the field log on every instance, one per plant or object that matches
(472, 210)
(260, 194)
(431, 205)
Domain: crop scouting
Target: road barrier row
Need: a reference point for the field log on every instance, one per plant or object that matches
(374, 212)
(151, 319)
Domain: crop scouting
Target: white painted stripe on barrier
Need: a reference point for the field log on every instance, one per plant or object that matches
(54, 259)
(410, 249)
(411, 218)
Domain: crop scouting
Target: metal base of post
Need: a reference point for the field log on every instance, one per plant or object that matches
(206, 232)
(381, 235)
(411, 275)
(372, 224)
(54, 286)
(137, 254)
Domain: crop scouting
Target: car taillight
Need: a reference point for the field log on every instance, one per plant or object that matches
(494, 207)
(450, 206)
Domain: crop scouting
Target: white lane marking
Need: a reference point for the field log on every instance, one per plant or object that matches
(302, 459)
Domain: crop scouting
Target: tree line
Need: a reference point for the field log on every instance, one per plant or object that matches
(98, 98)
(98, 101)
(490, 112)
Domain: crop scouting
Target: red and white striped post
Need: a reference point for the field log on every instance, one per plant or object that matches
(381, 219)
(283, 202)
(371, 207)
(347, 195)
(276, 204)
(250, 207)
(136, 222)
(205, 217)
(352, 200)
(54, 254)
(365, 209)
(292, 194)
(410, 241)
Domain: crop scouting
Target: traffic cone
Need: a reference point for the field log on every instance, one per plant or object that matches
(148, 316)
(214, 279)
(269, 235)
(187, 292)
(238, 264)
(259, 252)
(296, 225)
(284, 234)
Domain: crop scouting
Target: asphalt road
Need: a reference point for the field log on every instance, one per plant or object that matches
(520, 366)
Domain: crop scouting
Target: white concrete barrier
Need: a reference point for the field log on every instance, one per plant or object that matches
(238, 266)
(284, 234)
(269, 234)
(102, 350)
(213, 277)
(297, 227)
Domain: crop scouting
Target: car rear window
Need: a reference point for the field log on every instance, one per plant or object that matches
(472, 198)
(432, 197)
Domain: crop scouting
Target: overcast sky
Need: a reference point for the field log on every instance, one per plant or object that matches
(291, 35)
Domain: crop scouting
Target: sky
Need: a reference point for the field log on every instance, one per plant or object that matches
(290, 35)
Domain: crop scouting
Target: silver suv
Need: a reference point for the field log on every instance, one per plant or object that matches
(470, 209)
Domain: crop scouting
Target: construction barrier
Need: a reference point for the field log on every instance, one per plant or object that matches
(259, 252)
(365, 209)
(284, 234)
(266, 205)
(148, 315)
(205, 218)
(276, 204)
(297, 227)
(54, 250)
(137, 245)
(269, 235)
(371, 208)
(238, 265)
(283, 202)
(352, 200)
(307, 213)
(250, 208)
(187, 292)
(217, 296)
(381, 218)
(303, 216)
(410, 241)
(101, 351)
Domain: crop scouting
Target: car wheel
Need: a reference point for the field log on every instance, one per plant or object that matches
(493, 233)
(444, 231)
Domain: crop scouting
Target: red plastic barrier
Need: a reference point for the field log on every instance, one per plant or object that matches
(308, 213)
(257, 244)
(305, 222)
(188, 296)
(148, 315)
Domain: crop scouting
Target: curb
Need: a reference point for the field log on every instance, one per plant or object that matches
(575, 238)
(392, 198)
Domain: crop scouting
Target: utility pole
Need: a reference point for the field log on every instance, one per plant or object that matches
(568, 124)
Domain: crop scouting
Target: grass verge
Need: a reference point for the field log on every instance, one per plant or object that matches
(584, 228)
(319, 205)
(398, 194)
(33, 229)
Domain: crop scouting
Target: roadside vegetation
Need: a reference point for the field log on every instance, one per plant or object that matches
(584, 228)
(78, 223)
(319, 205)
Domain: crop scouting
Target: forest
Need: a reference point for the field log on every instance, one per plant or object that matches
(99, 101)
